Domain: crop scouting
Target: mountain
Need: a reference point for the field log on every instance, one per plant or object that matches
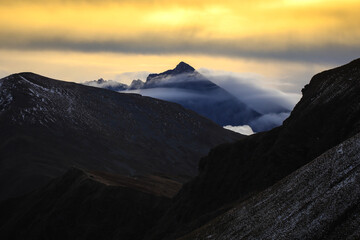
(48, 126)
(185, 86)
(319, 201)
(136, 84)
(300, 180)
(181, 68)
(88, 205)
(327, 114)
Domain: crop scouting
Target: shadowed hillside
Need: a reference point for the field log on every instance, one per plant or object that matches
(49, 126)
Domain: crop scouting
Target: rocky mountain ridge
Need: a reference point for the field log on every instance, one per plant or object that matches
(321, 200)
(327, 114)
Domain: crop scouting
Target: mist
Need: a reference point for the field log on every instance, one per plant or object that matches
(253, 90)
(245, 129)
(168, 94)
(252, 106)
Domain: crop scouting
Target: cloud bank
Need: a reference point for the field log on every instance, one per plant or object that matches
(259, 29)
(196, 92)
(269, 121)
(252, 90)
(108, 84)
(245, 129)
(150, 44)
(273, 105)
(168, 94)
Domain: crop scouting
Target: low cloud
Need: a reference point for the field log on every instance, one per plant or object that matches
(168, 94)
(108, 84)
(273, 105)
(268, 121)
(252, 90)
(207, 100)
(245, 129)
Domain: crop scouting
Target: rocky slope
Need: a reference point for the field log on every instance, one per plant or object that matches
(48, 126)
(88, 205)
(319, 201)
(327, 114)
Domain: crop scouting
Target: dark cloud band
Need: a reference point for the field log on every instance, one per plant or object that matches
(329, 52)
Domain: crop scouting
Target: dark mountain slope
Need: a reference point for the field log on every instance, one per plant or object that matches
(87, 205)
(319, 201)
(327, 114)
(48, 126)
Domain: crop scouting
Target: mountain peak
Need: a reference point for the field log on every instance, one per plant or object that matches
(183, 67)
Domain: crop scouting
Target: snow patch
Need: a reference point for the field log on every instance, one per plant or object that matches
(244, 129)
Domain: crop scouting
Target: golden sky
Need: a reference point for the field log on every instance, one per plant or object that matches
(80, 40)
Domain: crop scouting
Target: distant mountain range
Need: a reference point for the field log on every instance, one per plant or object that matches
(297, 181)
(186, 86)
(48, 126)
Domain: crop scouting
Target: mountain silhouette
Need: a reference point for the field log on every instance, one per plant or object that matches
(48, 126)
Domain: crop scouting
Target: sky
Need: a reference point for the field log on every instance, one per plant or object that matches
(280, 43)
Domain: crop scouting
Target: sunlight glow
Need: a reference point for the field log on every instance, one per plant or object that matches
(231, 29)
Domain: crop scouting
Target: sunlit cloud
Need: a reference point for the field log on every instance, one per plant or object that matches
(273, 29)
(84, 40)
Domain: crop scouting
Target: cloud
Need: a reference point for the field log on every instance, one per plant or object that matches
(193, 91)
(252, 90)
(108, 84)
(168, 94)
(268, 121)
(147, 2)
(286, 30)
(174, 42)
(245, 129)
(273, 105)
